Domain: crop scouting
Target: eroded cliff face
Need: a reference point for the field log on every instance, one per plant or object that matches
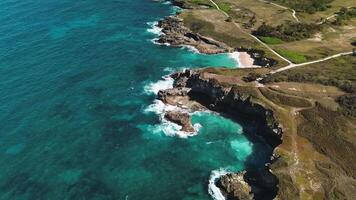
(256, 183)
(228, 100)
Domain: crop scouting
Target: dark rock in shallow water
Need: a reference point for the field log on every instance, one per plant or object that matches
(234, 187)
(168, 96)
(228, 100)
(253, 184)
(182, 119)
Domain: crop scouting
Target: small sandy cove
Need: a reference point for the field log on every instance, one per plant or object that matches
(244, 59)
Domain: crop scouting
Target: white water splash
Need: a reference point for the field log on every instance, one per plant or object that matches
(154, 28)
(213, 190)
(236, 57)
(191, 49)
(158, 107)
(154, 88)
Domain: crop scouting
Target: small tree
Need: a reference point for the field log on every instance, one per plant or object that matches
(251, 77)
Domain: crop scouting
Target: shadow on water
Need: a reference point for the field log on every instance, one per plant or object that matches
(21, 185)
(264, 183)
(89, 186)
(61, 110)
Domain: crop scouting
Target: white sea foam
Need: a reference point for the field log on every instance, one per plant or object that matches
(213, 190)
(175, 10)
(190, 48)
(154, 88)
(166, 2)
(167, 127)
(168, 69)
(154, 28)
(158, 107)
(236, 57)
(155, 41)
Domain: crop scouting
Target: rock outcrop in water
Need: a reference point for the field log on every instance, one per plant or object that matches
(182, 119)
(234, 187)
(228, 100)
(176, 34)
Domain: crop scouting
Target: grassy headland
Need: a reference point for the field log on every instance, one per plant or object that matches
(315, 103)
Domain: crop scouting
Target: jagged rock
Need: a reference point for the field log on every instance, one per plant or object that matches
(212, 94)
(200, 87)
(170, 96)
(181, 82)
(234, 187)
(180, 118)
(176, 34)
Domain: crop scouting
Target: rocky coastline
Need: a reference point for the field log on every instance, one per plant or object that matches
(177, 35)
(194, 92)
(199, 92)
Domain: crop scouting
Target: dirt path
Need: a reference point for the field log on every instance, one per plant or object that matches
(254, 37)
(294, 13)
(327, 19)
(311, 62)
(291, 64)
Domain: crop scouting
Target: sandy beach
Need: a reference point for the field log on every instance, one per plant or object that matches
(244, 59)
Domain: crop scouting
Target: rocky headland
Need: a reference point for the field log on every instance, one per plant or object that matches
(312, 159)
(196, 89)
(176, 34)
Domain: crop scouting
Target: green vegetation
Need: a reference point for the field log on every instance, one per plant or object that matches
(292, 56)
(283, 99)
(192, 3)
(348, 104)
(331, 133)
(251, 77)
(224, 7)
(344, 15)
(290, 31)
(270, 40)
(309, 6)
(339, 72)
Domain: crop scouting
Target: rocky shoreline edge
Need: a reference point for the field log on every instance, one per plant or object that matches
(193, 91)
(177, 35)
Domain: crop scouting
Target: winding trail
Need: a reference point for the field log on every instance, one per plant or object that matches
(254, 37)
(327, 19)
(294, 13)
(291, 64)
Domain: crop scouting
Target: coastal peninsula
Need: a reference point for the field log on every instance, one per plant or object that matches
(297, 81)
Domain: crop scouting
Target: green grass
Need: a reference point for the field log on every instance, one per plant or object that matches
(295, 57)
(270, 40)
(339, 72)
(193, 3)
(224, 7)
(199, 2)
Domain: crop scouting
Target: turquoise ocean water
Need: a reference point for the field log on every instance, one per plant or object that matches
(78, 117)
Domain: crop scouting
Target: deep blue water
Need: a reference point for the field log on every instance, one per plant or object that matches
(73, 106)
